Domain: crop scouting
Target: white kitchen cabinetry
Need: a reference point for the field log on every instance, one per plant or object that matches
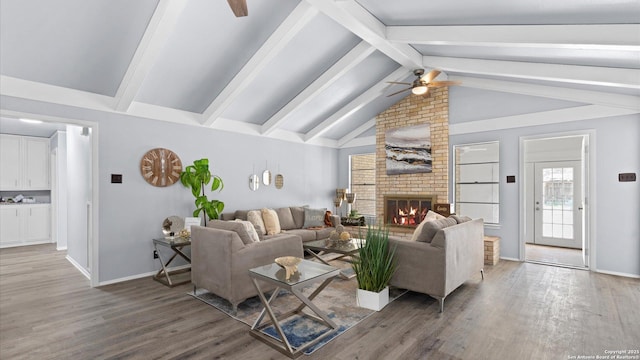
(25, 224)
(25, 163)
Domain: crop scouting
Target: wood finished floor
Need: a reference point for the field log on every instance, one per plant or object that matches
(519, 311)
(554, 255)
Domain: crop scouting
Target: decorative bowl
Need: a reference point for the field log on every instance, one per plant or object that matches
(289, 263)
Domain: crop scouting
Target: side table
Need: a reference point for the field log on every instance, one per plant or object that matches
(176, 244)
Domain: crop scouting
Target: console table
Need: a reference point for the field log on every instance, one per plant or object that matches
(164, 274)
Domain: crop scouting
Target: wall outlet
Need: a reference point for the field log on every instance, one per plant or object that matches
(155, 254)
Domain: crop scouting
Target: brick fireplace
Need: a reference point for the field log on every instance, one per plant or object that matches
(406, 211)
(410, 111)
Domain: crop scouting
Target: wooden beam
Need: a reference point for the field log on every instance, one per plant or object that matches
(155, 36)
(339, 69)
(359, 21)
(575, 74)
(608, 36)
(298, 18)
(356, 104)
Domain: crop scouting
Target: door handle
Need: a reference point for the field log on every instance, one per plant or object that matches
(580, 208)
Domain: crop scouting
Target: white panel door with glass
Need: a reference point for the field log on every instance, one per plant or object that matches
(558, 204)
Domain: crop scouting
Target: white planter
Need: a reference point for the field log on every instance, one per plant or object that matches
(372, 300)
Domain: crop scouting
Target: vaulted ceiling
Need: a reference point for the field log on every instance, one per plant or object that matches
(312, 71)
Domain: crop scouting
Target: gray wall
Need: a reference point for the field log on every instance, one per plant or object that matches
(617, 149)
(131, 213)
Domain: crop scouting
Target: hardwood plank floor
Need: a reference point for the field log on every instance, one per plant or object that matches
(519, 311)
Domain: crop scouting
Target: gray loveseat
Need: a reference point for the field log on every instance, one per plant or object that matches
(223, 252)
(443, 261)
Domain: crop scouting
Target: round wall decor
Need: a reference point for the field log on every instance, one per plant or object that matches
(161, 167)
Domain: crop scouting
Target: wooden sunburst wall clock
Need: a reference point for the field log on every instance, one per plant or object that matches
(161, 167)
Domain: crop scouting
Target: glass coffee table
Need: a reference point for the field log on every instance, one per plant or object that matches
(348, 250)
(309, 272)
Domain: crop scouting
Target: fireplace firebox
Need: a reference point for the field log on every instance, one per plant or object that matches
(406, 211)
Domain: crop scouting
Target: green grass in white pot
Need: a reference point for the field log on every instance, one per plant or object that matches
(375, 265)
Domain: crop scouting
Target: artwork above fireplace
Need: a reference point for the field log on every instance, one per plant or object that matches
(406, 211)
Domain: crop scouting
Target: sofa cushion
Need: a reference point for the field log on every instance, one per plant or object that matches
(251, 230)
(227, 216)
(255, 217)
(298, 216)
(432, 215)
(237, 227)
(429, 229)
(313, 217)
(460, 219)
(271, 222)
(306, 235)
(286, 218)
(241, 214)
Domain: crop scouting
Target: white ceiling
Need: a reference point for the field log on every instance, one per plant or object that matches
(311, 71)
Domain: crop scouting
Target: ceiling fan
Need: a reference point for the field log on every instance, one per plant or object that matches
(421, 85)
(239, 7)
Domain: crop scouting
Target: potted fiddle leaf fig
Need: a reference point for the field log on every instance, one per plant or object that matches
(374, 268)
(195, 177)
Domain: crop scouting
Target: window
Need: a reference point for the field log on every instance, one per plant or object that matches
(363, 183)
(477, 187)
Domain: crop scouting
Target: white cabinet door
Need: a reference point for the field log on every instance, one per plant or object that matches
(10, 171)
(37, 223)
(36, 164)
(10, 224)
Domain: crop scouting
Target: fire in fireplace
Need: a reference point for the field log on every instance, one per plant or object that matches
(406, 210)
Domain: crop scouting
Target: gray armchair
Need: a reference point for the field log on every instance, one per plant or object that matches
(220, 261)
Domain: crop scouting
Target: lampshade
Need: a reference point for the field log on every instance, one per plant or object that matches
(419, 90)
(337, 201)
(341, 193)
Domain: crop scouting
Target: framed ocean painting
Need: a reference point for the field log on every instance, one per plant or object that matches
(408, 149)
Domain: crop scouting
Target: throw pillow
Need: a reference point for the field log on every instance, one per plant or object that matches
(460, 219)
(271, 222)
(430, 228)
(327, 218)
(255, 217)
(251, 231)
(432, 215)
(232, 226)
(313, 217)
(286, 218)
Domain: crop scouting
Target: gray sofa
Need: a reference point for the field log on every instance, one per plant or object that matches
(439, 265)
(223, 252)
(292, 221)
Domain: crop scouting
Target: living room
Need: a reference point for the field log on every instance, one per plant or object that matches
(314, 158)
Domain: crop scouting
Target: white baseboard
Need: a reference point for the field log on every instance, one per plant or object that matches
(509, 258)
(139, 276)
(79, 267)
(62, 248)
(634, 276)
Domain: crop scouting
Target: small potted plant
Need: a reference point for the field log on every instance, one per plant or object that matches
(374, 268)
(195, 177)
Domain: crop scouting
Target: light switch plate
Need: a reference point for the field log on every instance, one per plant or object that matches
(626, 177)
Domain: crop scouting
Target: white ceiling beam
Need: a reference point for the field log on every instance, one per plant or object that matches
(577, 74)
(356, 132)
(359, 21)
(610, 36)
(288, 29)
(339, 69)
(553, 92)
(578, 113)
(358, 103)
(155, 36)
(32, 90)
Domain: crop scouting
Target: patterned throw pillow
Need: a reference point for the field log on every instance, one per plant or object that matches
(271, 222)
(251, 231)
(255, 217)
(313, 218)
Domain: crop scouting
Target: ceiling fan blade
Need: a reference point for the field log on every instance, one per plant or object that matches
(431, 75)
(396, 82)
(239, 7)
(426, 95)
(443, 83)
(398, 92)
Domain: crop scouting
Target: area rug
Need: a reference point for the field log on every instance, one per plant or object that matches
(337, 300)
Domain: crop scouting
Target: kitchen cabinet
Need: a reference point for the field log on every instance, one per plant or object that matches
(25, 224)
(25, 163)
